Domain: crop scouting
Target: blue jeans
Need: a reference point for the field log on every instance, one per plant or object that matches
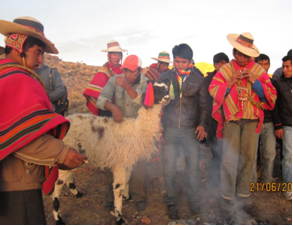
(287, 154)
(174, 138)
(267, 152)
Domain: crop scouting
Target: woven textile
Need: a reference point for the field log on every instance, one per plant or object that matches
(230, 103)
(93, 90)
(152, 73)
(26, 112)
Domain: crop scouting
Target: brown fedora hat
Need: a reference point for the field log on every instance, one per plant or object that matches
(27, 26)
(1, 50)
(244, 44)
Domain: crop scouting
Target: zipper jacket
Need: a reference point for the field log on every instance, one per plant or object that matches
(189, 108)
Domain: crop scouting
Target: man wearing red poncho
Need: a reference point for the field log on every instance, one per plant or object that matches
(241, 90)
(156, 69)
(108, 70)
(30, 132)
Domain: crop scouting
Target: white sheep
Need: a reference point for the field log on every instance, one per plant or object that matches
(65, 177)
(119, 146)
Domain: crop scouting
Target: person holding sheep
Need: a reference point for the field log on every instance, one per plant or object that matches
(184, 121)
(30, 131)
(126, 90)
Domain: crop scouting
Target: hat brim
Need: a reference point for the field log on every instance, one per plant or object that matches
(2, 50)
(162, 60)
(114, 50)
(7, 27)
(252, 52)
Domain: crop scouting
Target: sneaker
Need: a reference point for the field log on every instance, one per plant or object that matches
(173, 212)
(109, 206)
(140, 206)
(288, 195)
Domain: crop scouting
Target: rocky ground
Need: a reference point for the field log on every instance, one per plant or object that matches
(269, 207)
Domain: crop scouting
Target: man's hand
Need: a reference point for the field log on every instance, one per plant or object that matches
(121, 81)
(73, 159)
(235, 78)
(117, 114)
(201, 133)
(279, 133)
(248, 74)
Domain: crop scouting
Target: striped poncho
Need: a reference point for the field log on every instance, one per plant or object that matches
(230, 103)
(26, 112)
(93, 90)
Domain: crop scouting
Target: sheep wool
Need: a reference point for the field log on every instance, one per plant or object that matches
(110, 144)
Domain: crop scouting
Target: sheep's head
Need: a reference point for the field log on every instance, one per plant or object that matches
(157, 93)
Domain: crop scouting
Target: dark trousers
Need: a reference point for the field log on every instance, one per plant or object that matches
(22, 207)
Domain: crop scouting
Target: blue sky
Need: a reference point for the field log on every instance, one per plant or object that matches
(81, 29)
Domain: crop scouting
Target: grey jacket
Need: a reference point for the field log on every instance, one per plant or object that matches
(128, 106)
(58, 89)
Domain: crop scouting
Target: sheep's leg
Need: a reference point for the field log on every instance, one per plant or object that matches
(119, 175)
(71, 185)
(126, 189)
(55, 196)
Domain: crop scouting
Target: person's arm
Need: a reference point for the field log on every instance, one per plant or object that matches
(203, 111)
(107, 93)
(104, 101)
(121, 81)
(58, 86)
(276, 114)
(258, 89)
(47, 150)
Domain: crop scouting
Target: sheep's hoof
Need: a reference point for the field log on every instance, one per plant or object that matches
(129, 198)
(78, 195)
(60, 221)
(121, 222)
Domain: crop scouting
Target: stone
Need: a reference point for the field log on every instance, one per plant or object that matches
(145, 220)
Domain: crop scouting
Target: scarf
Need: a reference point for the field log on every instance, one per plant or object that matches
(182, 75)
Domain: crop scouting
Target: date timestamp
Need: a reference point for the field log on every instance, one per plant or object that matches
(270, 187)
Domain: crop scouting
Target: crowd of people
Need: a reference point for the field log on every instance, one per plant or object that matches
(239, 109)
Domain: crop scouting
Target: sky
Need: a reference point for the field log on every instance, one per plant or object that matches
(80, 29)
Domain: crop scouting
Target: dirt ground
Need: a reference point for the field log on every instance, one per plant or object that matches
(269, 207)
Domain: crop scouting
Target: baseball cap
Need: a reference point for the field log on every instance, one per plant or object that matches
(132, 62)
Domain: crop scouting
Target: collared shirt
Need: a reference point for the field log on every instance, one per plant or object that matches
(121, 98)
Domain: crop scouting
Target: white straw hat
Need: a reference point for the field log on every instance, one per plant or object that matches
(27, 26)
(244, 43)
(113, 46)
(164, 56)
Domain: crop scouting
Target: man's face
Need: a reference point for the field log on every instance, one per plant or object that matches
(219, 65)
(114, 57)
(131, 76)
(287, 68)
(265, 64)
(162, 66)
(181, 63)
(34, 57)
(241, 58)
